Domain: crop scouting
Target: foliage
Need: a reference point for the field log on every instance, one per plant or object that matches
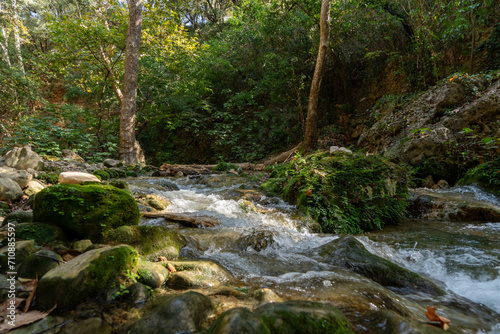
(344, 193)
(487, 175)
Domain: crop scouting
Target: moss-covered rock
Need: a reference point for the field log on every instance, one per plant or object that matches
(152, 274)
(48, 178)
(39, 263)
(486, 175)
(39, 232)
(302, 317)
(85, 211)
(4, 209)
(344, 193)
(84, 277)
(149, 241)
(239, 320)
(350, 253)
(19, 217)
(180, 314)
(102, 174)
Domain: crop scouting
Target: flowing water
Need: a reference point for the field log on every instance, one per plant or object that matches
(268, 244)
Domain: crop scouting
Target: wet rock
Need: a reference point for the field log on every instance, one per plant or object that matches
(220, 181)
(303, 317)
(77, 178)
(190, 280)
(181, 314)
(39, 263)
(154, 201)
(34, 187)
(84, 276)
(9, 190)
(152, 274)
(85, 211)
(22, 158)
(82, 245)
(239, 321)
(150, 241)
(39, 232)
(23, 249)
(350, 253)
(265, 296)
(387, 321)
(19, 217)
(168, 185)
(206, 269)
(257, 240)
(21, 177)
(428, 204)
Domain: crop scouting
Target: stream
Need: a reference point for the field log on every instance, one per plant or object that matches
(264, 242)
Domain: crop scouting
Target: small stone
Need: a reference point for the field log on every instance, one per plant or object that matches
(76, 177)
(179, 174)
(82, 245)
(442, 184)
(428, 182)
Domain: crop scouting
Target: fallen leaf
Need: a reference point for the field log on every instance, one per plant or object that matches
(25, 319)
(432, 316)
(32, 295)
(171, 268)
(6, 303)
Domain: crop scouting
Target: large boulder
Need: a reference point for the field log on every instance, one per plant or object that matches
(22, 158)
(84, 277)
(85, 211)
(9, 189)
(21, 177)
(303, 317)
(350, 253)
(181, 314)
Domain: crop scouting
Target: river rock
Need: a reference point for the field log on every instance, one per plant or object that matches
(239, 320)
(22, 158)
(150, 241)
(257, 240)
(82, 245)
(180, 314)
(77, 178)
(428, 204)
(21, 177)
(23, 249)
(9, 190)
(39, 263)
(152, 274)
(34, 187)
(205, 269)
(154, 201)
(299, 317)
(85, 211)
(350, 253)
(19, 217)
(265, 296)
(84, 276)
(110, 163)
(190, 280)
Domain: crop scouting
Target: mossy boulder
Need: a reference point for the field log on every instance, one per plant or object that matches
(344, 193)
(152, 274)
(85, 211)
(302, 317)
(39, 263)
(19, 217)
(239, 320)
(39, 232)
(350, 253)
(185, 313)
(102, 174)
(150, 241)
(84, 276)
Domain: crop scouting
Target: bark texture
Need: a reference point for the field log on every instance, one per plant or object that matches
(311, 131)
(130, 149)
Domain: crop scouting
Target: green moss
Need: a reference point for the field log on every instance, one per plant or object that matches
(148, 239)
(486, 175)
(49, 178)
(40, 233)
(102, 174)
(344, 193)
(112, 173)
(119, 184)
(85, 211)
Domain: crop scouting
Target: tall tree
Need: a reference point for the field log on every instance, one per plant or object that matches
(130, 149)
(4, 45)
(311, 130)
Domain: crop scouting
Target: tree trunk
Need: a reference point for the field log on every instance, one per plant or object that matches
(130, 150)
(17, 40)
(3, 46)
(311, 131)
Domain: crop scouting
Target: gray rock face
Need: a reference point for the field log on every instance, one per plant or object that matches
(181, 314)
(9, 190)
(21, 177)
(23, 158)
(350, 253)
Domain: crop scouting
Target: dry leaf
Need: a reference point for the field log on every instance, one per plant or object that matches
(5, 304)
(171, 268)
(309, 192)
(32, 295)
(432, 316)
(25, 319)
